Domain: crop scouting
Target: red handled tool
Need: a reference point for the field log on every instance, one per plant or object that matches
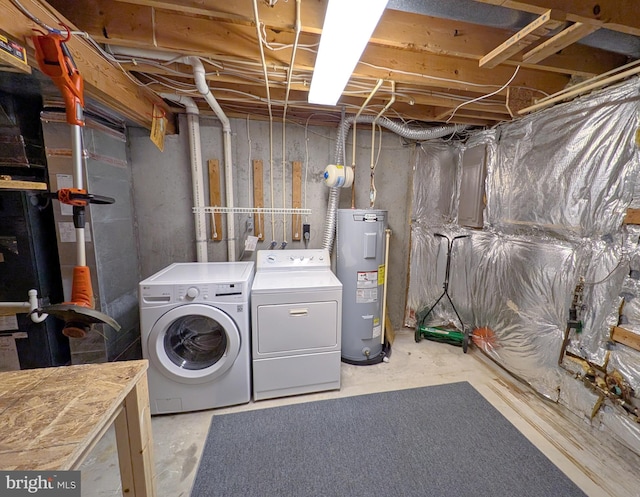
(55, 60)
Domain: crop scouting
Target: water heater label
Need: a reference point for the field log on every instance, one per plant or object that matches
(377, 329)
(366, 296)
(367, 287)
(367, 279)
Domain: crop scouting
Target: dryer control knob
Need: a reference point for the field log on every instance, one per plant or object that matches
(193, 292)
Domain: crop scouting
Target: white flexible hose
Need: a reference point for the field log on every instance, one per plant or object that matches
(398, 128)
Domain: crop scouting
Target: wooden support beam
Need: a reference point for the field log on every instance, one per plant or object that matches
(444, 115)
(632, 216)
(282, 14)
(429, 70)
(134, 441)
(207, 37)
(601, 81)
(234, 89)
(548, 21)
(258, 199)
(623, 16)
(215, 198)
(111, 21)
(563, 39)
(625, 337)
(102, 81)
(296, 200)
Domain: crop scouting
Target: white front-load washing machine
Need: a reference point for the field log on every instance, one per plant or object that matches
(195, 331)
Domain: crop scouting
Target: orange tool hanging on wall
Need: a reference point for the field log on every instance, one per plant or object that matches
(55, 61)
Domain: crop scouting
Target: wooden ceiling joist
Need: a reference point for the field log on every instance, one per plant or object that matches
(102, 81)
(436, 63)
(547, 22)
(561, 40)
(616, 15)
(173, 30)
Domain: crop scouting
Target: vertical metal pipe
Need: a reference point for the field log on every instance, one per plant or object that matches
(78, 182)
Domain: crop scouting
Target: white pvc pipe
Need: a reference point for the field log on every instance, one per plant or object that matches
(190, 106)
(203, 87)
(30, 306)
(18, 306)
(197, 182)
(199, 75)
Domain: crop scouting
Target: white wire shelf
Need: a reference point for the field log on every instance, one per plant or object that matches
(251, 210)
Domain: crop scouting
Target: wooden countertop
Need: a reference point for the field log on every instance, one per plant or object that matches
(51, 418)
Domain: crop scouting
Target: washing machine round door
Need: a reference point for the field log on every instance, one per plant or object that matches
(194, 343)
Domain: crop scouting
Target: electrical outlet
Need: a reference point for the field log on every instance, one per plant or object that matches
(250, 224)
(306, 231)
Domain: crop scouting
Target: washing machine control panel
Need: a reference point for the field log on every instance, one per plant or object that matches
(215, 292)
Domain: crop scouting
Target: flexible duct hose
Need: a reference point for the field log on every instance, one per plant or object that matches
(397, 127)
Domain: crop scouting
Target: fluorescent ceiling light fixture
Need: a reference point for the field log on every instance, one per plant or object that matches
(348, 25)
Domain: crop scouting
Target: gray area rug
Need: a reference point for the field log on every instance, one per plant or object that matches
(438, 441)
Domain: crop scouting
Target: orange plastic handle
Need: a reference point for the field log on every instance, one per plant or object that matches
(56, 62)
(81, 288)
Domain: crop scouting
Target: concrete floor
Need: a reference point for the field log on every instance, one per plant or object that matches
(600, 467)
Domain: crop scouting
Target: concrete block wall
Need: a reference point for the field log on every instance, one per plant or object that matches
(163, 196)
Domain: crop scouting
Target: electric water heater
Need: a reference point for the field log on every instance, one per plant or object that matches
(361, 270)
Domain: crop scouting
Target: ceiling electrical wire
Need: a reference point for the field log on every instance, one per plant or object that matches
(282, 46)
(266, 82)
(257, 72)
(83, 34)
(284, 122)
(40, 23)
(484, 96)
(425, 76)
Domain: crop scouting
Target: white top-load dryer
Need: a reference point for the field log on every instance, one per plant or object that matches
(296, 314)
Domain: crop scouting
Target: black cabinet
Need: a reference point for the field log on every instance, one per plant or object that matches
(29, 259)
